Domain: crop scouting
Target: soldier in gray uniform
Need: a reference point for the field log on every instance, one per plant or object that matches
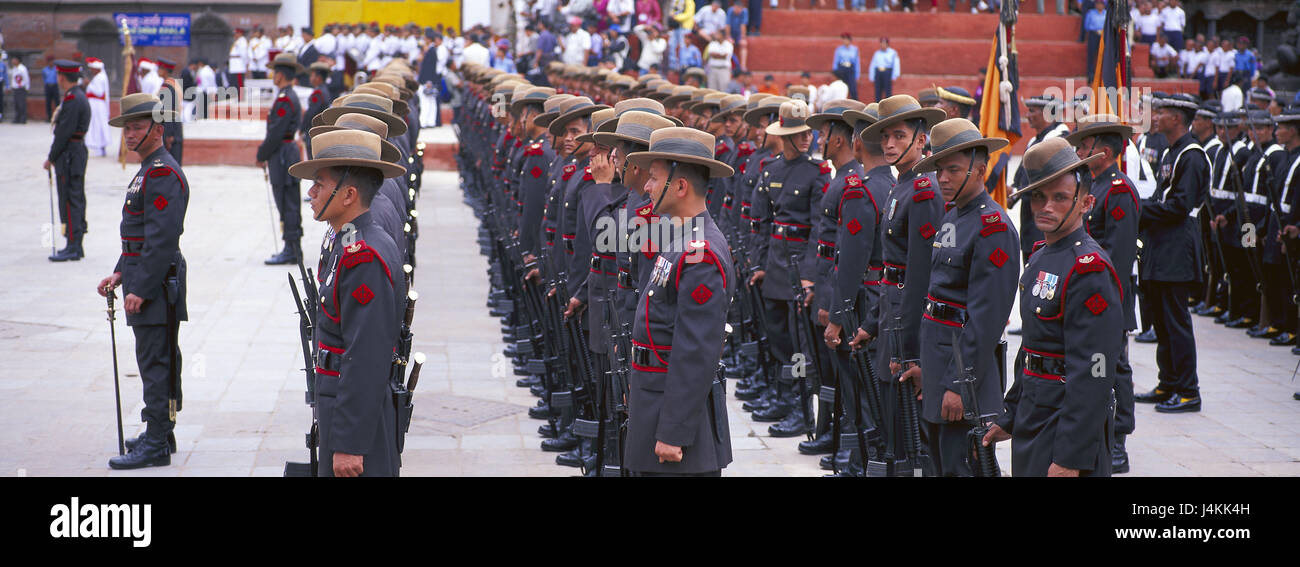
(910, 216)
(677, 400)
(973, 277)
(68, 158)
(151, 271)
(358, 318)
(278, 151)
(1113, 223)
(1057, 412)
(785, 200)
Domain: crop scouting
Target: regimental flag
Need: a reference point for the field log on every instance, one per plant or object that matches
(1112, 76)
(130, 83)
(1000, 104)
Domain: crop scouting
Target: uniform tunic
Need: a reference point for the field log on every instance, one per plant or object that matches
(68, 156)
(679, 322)
(1057, 411)
(356, 331)
(153, 218)
(280, 152)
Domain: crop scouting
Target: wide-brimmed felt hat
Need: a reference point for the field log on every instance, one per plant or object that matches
(634, 126)
(576, 107)
(954, 136)
(680, 93)
(792, 118)
(799, 92)
(1049, 103)
(1179, 100)
(1289, 114)
(928, 97)
(373, 105)
(1097, 125)
(711, 100)
(345, 148)
(288, 60)
(901, 108)
(141, 105)
(1261, 94)
(860, 119)
(551, 109)
(767, 106)
(1259, 117)
(320, 66)
(661, 91)
(385, 90)
(365, 123)
(727, 105)
(694, 72)
(682, 145)
(1048, 160)
(1209, 109)
(697, 96)
(397, 82)
(1230, 118)
(602, 117)
(640, 105)
(533, 95)
(648, 77)
(835, 110)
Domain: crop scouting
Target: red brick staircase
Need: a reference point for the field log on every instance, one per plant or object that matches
(944, 49)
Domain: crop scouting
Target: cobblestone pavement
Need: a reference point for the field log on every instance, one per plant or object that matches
(244, 412)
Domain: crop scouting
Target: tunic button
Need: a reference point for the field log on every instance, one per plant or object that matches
(796, 192)
(981, 206)
(650, 293)
(1077, 243)
(890, 231)
(1038, 309)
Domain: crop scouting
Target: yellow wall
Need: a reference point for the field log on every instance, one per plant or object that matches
(396, 12)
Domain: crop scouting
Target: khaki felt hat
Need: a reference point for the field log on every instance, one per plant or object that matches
(694, 72)
(1048, 160)
(682, 145)
(729, 104)
(792, 118)
(533, 95)
(710, 101)
(768, 106)
(640, 104)
(365, 123)
(288, 60)
(372, 105)
(574, 108)
(954, 136)
(860, 119)
(403, 83)
(387, 91)
(142, 105)
(661, 91)
(634, 126)
(901, 108)
(799, 92)
(680, 94)
(551, 109)
(835, 110)
(604, 116)
(340, 148)
(1096, 125)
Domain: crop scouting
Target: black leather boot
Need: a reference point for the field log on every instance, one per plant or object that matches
(546, 430)
(171, 442)
(150, 451)
(795, 423)
(1118, 456)
(841, 457)
(765, 399)
(782, 404)
(565, 441)
(542, 411)
(71, 252)
(821, 445)
(528, 381)
(288, 255)
(570, 458)
(1147, 336)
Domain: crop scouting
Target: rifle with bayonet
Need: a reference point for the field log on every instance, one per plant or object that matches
(1244, 218)
(1275, 217)
(906, 399)
(982, 460)
(803, 342)
(876, 457)
(306, 307)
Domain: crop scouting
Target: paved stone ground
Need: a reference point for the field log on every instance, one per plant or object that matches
(244, 413)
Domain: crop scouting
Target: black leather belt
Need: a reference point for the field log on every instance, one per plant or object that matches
(787, 232)
(1044, 365)
(744, 211)
(568, 243)
(894, 275)
(643, 356)
(77, 137)
(550, 236)
(326, 360)
(826, 251)
(625, 280)
(726, 201)
(755, 226)
(132, 247)
(945, 312)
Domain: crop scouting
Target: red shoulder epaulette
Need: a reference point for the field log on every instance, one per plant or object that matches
(720, 148)
(826, 167)
(702, 254)
(1037, 245)
(992, 223)
(534, 149)
(853, 180)
(922, 183)
(586, 174)
(1089, 263)
(923, 196)
(568, 171)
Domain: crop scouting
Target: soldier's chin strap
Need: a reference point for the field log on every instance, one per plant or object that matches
(672, 170)
(1077, 184)
(343, 177)
(143, 138)
(916, 132)
(970, 168)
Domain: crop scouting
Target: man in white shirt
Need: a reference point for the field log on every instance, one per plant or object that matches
(411, 43)
(710, 20)
(1232, 98)
(237, 65)
(150, 82)
(393, 44)
(19, 83)
(297, 41)
(258, 47)
(1185, 59)
(717, 61)
(1163, 56)
(1174, 20)
(374, 50)
(476, 52)
(327, 44)
(1227, 62)
(1148, 24)
(577, 44)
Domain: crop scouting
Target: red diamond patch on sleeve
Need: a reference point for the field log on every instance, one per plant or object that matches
(363, 295)
(160, 203)
(998, 257)
(701, 294)
(854, 226)
(1117, 212)
(927, 230)
(1096, 304)
(279, 111)
(315, 98)
(536, 172)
